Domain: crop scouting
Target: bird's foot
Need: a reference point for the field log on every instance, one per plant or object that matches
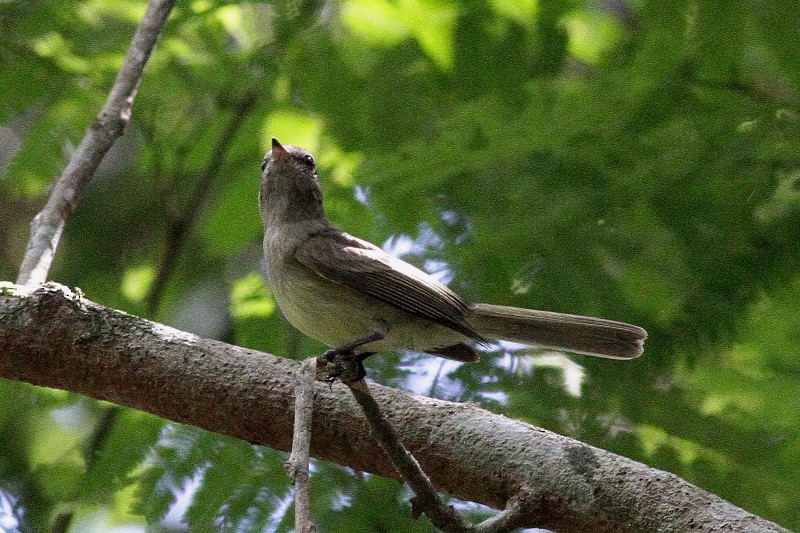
(341, 364)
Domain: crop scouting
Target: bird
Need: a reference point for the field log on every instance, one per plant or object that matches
(357, 299)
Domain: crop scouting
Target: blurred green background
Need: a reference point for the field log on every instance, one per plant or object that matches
(632, 160)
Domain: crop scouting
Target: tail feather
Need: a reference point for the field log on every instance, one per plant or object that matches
(579, 334)
(457, 352)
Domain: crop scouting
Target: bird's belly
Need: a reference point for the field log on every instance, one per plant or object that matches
(335, 314)
(319, 308)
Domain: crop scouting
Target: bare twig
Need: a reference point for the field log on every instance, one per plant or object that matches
(435, 380)
(427, 500)
(48, 225)
(297, 464)
(506, 520)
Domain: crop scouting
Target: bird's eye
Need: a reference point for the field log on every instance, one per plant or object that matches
(263, 164)
(307, 161)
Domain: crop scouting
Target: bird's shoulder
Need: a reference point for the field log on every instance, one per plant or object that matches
(330, 244)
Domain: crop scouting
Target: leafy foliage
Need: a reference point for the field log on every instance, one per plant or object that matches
(636, 161)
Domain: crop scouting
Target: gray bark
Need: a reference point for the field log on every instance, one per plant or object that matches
(55, 339)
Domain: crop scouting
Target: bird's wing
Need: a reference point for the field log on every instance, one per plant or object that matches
(363, 266)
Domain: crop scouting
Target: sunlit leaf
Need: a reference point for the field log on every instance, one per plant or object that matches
(249, 298)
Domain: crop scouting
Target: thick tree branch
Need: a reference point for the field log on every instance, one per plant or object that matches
(54, 339)
(108, 125)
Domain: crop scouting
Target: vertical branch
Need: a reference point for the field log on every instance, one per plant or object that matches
(108, 125)
(297, 464)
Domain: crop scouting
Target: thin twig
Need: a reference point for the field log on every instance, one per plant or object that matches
(179, 226)
(435, 380)
(506, 520)
(427, 500)
(108, 125)
(297, 464)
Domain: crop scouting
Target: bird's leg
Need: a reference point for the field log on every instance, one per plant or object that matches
(342, 363)
(348, 347)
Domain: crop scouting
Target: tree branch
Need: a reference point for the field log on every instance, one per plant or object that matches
(426, 500)
(108, 125)
(55, 339)
(297, 464)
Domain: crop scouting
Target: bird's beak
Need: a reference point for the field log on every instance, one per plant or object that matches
(278, 151)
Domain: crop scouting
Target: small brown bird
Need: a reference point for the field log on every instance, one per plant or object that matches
(356, 298)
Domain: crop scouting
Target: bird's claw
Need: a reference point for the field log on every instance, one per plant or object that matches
(340, 364)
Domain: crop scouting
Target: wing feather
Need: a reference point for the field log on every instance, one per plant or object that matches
(360, 265)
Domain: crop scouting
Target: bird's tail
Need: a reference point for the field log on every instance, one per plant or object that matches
(579, 334)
